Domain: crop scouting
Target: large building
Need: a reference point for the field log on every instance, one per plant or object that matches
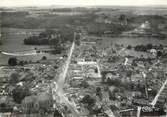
(36, 103)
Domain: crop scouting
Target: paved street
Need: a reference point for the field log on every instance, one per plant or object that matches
(60, 85)
(159, 93)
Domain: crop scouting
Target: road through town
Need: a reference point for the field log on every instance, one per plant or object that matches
(159, 93)
(60, 85)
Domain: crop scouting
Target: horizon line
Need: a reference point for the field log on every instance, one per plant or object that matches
(75, 6)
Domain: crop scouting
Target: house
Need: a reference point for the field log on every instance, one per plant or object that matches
(7, 114)
(33, 104)
(137, 78)
(153, 52)
(78, 78)
(8, 104)
(109, 75)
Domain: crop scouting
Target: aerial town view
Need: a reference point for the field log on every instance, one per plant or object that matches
(99, 61)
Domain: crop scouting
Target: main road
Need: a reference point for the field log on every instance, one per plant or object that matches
(60, 85)
(159, 93)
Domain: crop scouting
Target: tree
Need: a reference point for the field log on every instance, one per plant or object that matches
(87, 99)
(114, 82)
(2, 107)
(98, 89)
(84, 84)
(57, 113)
(129, 74)
(129, 47)
(12, 61)
(134, 63)
(96, 70)
(44, 58)
(98, 92)
(14, 78)
(21, 63)
(111, 95)
(122, 17)
(149, 46)
(142, 48)
(159, 54)
(161, 47)
(19, 93)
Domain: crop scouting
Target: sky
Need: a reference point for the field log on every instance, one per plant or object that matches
(23, 3)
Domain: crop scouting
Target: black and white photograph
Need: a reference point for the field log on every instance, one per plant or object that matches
(83, 58)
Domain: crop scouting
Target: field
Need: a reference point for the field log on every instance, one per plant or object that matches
(12, 39)
(29, 22)
(125, 41)
(130, 41)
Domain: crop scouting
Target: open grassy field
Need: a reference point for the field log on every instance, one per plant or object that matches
(12, 39)
(130, 41)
